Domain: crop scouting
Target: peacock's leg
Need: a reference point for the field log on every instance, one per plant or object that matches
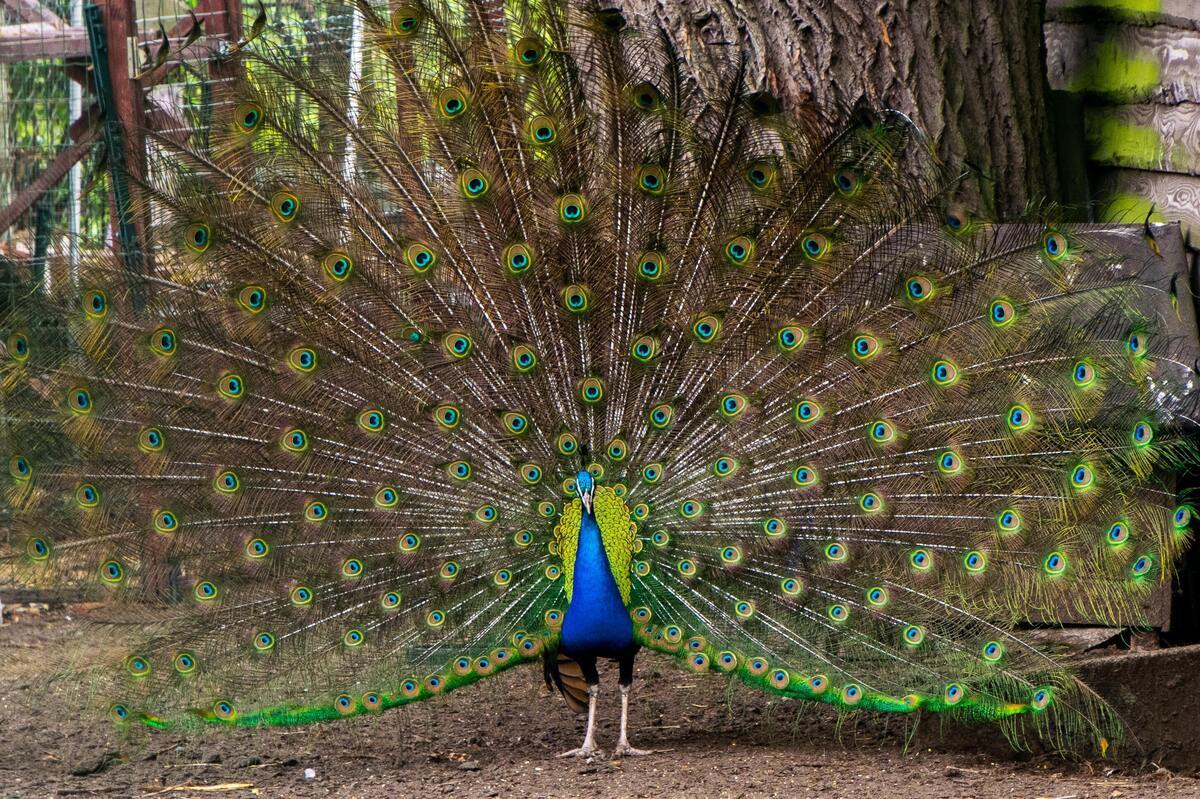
(589, 748)
(626, 682)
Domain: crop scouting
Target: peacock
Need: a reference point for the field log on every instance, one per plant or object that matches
(492, 339)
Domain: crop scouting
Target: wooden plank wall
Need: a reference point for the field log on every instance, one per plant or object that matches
(1135, 65)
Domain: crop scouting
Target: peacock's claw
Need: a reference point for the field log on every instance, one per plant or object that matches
(587, 751)
(625, 750)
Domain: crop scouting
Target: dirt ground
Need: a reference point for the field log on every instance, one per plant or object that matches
(499, 738)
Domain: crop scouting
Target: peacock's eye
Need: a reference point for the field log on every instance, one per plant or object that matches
(567, 444)
(738, 250)
(420, 257)
(316, 512)
(1009, 520)
(791, 337)
(1083, 374)
(252, 299)
(760, 175)
(805, 476)
(79, 400)
(807, 411)
(386, 497)
(958, 220)
(515, 422)
(572, 208)
(1136, 344)
(848, 181)
(1019, 418)
(163, 342)
(576, 298)
(732, 404)
(447, 416)
(918, 289)
(474, 184)
(372, 420)
(337, 266)
(1001, 313)
(1054, 245)
(661, 416)
(1055, 563)
(815, 246)
(458, 345)
(95, 304)
(529, 51)
(652, 179)
(883, 432)
(647, 97)
(864, 347)
(248, 116)
(706, 328)
(451, 102)
(645, 348)
(198, 237)
(302, 359)
(150, 439)
(517, 258)
(406, 19)
(651, 266)
(18, 347)
(285, 205)
(950, 463)
(227, 482)
(87, 495)
(944, 372)
(294, 440)
(524, 359)
(591, 390)
(542, 130)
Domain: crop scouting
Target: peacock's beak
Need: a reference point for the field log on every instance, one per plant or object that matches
(586, 498)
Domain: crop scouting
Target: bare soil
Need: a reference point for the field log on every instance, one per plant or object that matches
(499, 738)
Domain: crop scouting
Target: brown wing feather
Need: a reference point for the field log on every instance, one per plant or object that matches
(565, 674)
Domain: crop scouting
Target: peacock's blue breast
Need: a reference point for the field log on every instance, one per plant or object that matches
(597, 621)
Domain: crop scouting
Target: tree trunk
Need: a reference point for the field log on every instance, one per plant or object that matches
(970, 73)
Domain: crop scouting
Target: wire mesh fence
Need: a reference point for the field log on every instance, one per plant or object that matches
(41, 71)
(56, 190)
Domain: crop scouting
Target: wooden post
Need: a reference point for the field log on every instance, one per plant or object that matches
(120, 28)
(227, 24)
(128, 102)
(119, 97)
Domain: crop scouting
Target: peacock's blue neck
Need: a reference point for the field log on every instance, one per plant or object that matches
(597, 621)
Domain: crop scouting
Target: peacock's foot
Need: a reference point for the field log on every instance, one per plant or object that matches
(587, 750)
(625, 750)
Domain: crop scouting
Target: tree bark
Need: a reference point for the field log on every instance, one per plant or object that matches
(970, 73)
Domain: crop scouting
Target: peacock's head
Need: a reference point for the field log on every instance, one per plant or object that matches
(585, 486)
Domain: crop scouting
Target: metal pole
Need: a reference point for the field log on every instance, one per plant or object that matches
(75, 204)
(355, 82)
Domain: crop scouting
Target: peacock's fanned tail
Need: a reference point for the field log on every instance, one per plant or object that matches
(860, 434)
